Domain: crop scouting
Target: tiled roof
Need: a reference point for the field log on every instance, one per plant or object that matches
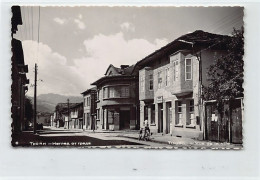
(194, 40)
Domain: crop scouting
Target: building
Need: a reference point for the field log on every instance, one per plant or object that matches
(62, 117)
(90, 105)
(19, 79)
(170, 81)
(76, 115)
(117, 99)
(44, 118)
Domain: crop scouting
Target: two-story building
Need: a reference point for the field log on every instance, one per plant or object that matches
(89, 104)
(76, 116)
(117, 99)
(171, 80)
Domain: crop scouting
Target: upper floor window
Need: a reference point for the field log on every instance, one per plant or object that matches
(111, 92)
(88, 101)
(175, 70)
(188, 69)
(151, 82)
(124, 91)
(167, 77)
(104, 92)
(159, 79)
(116, 92)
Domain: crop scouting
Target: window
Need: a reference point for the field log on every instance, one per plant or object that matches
(88, 101)
(88, 119)
(84, 102)
(175, 70)
(178, 113)
(104, 93)
(111, 92)
(188, 69)
(167, 77)
(116, 92)
(110, 117)
(151, 82)
(142, 83)
(84, 121)
(159, 79)
(124, 91)
(190, 113)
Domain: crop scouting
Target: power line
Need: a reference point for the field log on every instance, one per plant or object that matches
(222, 20)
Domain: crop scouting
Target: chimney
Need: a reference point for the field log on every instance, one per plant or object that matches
(124, 66)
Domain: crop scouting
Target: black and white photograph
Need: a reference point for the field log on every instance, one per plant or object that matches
(151, 77)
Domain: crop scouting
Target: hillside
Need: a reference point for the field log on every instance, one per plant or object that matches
(47, 102)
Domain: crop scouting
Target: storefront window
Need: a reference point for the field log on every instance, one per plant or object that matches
(190, 113)
(178, 113)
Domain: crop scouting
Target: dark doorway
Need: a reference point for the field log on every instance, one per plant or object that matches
(124, 118)
(160, 118)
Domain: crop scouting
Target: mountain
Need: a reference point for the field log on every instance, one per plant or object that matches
(48, 102)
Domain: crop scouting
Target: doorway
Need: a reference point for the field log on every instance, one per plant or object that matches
(160, 118)
(124, 116)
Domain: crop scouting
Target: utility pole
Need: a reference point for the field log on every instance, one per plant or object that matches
(68, 113)
(35, 101)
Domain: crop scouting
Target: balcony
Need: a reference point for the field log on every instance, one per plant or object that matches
(146, 84)
(184, 72)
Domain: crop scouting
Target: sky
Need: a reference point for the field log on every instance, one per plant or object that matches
(73, 46)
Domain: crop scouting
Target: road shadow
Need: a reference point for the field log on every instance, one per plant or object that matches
(27, 139)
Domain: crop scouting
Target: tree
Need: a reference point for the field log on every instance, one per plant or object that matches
(226, 74)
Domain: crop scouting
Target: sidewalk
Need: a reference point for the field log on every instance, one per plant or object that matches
(180, 142)
(168, 140)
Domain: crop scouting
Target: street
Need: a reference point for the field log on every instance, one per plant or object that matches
(79, 138)
(51, 136)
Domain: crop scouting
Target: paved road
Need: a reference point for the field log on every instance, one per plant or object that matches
(78, 138)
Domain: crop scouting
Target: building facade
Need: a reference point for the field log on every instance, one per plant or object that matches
(89, 104)
(117, 99)
(170, 84)
(19, 79)
(76, 115)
